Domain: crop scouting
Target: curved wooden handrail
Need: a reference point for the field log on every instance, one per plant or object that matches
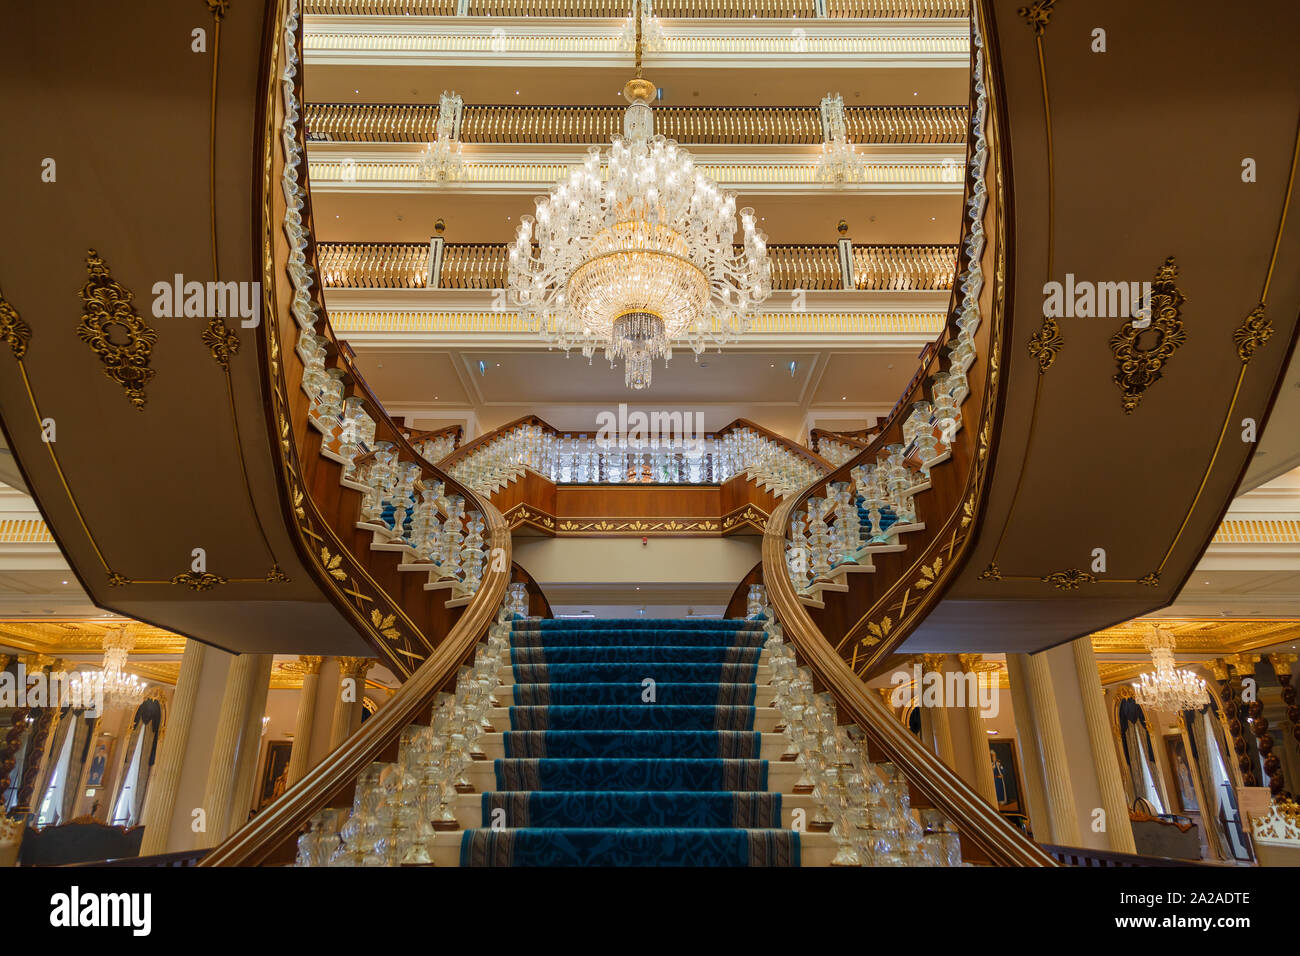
(288, 813)
(285, 816)
(952, 503)
(978, 821)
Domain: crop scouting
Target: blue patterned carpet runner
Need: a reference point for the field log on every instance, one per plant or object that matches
(594, 774)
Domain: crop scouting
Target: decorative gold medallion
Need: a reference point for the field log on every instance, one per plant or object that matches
(991, 573)
(1046, 343)
(114, 330)
(1253, 333)
(1141, 367)
(1151, 580)
(221, 341)
(1069, 579)
(13, 329)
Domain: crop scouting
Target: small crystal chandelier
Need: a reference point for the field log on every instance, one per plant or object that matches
(441, 159)
(652, 31)
(119, 689)
(635, 251)
(1168, 689)
(839, 162)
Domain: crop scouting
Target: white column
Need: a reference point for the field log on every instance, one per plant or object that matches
(979, 741)
(1051, 745)
(298, 757)
(223, 766)
(1040, 820)
(1119, 831)
(160, 800)
(250, 745)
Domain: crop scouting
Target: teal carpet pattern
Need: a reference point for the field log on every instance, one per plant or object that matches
(598, 773)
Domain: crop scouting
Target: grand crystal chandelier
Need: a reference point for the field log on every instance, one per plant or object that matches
(441, 160)
(1168, 689)
(839, 163)
(634, 251)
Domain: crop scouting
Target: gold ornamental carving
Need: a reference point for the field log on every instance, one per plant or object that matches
(203, 581)
(1069, 579)
(1038, 15)
(1253, 333)
(1140, 366)
(115, 332)
(13, 329)
(1046, 344)
(221, 341)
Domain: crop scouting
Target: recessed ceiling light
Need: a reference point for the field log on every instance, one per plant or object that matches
(65, 582)
(844, 398)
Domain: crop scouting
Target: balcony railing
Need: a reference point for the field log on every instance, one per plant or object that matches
(689, 125)
(405, 265)
(670, 9)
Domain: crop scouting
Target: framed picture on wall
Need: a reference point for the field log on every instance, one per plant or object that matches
(100, 756)
(1006, 776)
(1181, 768)
(275, 771)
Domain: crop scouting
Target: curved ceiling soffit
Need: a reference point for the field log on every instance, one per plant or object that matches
(157, 415)
(1115, 440)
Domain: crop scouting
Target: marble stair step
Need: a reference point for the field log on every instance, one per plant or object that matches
(468, 808)
(782, 775)
(763, 674)
(815, 849)
(766, 719)
(493, 746)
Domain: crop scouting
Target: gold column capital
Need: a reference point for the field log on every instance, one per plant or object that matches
(356, 666)
(932, 662)
(1243, 665)
(1219, 668)
(1282, 663)
(968, 661)
(5, 660)
(37, 663)
(311, 663)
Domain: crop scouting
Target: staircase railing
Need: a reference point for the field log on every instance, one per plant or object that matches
(905, 506)
(682, 456)
(803, 9)
(926, 469)
(405, 265)
(404, 623)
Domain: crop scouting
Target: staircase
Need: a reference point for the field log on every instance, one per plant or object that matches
(633, 743)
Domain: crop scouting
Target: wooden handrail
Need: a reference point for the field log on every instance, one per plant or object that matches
(285, 816)
(288, 813)
(978, 821)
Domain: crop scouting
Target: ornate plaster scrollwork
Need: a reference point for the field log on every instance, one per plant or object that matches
(115, 332)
